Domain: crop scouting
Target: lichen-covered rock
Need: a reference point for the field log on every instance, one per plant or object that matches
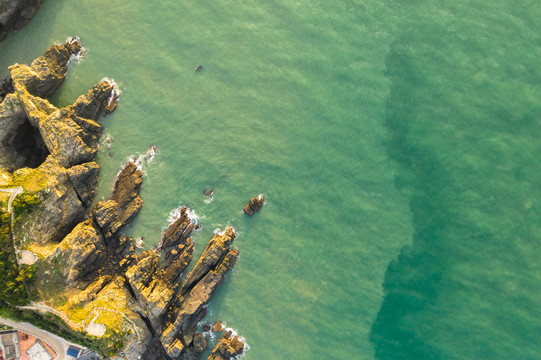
(97, 100)
(213, 254)
(71, 139)
(152, 292)
(114, 214)
(88, 250)
(218, 326)
(14, 14)
(84, 179)
(254, 205)
(60, 208)
(45, 74)
(189, 308)
(229, 347)
(177, 245)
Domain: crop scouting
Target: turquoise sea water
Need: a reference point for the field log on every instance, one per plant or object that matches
(397, 144)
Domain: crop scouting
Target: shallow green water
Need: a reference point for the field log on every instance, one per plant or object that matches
(373, 128)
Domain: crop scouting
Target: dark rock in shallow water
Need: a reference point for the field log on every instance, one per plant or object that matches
(229, 347)
(254, 205)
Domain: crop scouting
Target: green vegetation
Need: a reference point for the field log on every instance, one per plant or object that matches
(106, 346)
(24, 202)
(13, 279)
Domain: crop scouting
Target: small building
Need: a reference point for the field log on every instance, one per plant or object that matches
(73, 351)
(9, 345)
(39, 351)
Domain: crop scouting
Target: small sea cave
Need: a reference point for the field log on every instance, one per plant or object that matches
(28, 146)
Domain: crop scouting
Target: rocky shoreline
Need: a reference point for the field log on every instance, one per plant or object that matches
(86, 267)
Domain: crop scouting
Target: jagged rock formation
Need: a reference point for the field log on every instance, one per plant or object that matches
(229, 347)
(84, 256)
(254, 205)
(50, 150)
(14, 14)
(188, 308)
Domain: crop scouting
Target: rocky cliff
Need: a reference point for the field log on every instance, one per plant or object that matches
(14, 14)
(87, 268)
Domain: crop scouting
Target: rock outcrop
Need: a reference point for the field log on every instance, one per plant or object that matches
(229, 347)
(14, 14)
(85, 258)
(254, 205)
(50, 150)
(189, 306)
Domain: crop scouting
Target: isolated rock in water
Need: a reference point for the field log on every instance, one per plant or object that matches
(254, 205)
(14, 14)
(45, 74)
(218, 326)
(229, 347)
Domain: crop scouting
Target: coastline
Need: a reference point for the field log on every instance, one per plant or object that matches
(85, 266)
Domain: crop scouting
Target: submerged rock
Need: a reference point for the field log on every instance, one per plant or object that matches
(254, 205)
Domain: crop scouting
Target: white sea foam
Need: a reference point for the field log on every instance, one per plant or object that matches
(142, 159)
(218, 231)
(209, 199)
(243, 340)
(175, 214)
(209, 334)
(76, 58)
(140, 242)
(116, 90)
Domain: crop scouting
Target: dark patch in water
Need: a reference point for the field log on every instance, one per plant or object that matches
(457, 131)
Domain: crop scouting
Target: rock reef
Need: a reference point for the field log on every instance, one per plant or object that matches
(86, 262)
(254, 205)
(229, 347)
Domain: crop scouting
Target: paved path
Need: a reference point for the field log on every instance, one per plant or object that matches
(59, 345)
